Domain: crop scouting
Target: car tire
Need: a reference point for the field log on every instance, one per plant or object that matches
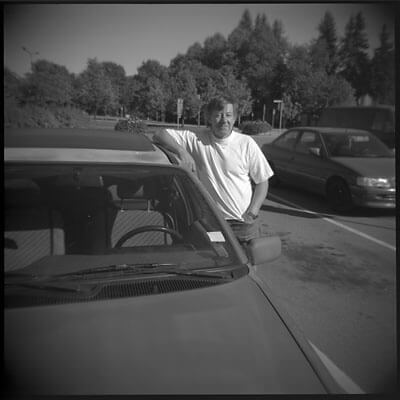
(339, 196)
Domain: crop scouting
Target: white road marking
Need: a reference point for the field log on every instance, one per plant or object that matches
(332, 221)
(340, 376)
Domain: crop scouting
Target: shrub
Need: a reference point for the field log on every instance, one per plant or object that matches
(254, 127)
(32, 116)
(70, 117)
(125, 125)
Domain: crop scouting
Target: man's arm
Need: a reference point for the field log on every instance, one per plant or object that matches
(259, 195)
(163, 138)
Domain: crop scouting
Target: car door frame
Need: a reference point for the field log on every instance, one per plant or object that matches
(310, 171)
(282, 157)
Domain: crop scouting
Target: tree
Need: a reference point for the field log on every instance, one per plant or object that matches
(195, 52)
(237, 89)
(153, 89)
(116, 75)
(383, 70)
(327, 40)
(213, 51)
(280, 38)
(238, 40)
(184, 86)
(308, 89)
(94, 89)
(12, 87)
(263, 55)
(48, 84)
(353, 56)
(131, 96)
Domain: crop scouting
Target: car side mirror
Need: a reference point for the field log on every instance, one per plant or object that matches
(316, 151)
(264, 249)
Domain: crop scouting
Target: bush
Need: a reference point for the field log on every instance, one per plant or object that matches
(125, 125)
(254, 127)
(70, 117)
(32, 116)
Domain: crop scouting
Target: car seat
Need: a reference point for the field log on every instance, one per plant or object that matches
(133, 207)
(32, 230)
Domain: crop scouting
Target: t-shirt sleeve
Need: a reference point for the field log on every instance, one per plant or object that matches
(183, 138)
(259, 170)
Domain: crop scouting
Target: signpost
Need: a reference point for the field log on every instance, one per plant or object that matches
(280, 102)
(198, 113)
(179, 109)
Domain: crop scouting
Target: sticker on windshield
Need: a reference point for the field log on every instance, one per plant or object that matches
(216, 236)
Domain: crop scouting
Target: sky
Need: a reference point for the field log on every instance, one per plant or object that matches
(129, 34)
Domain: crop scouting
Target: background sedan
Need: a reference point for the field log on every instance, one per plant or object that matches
(350, 167)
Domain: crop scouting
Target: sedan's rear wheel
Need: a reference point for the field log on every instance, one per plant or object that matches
(339, 196)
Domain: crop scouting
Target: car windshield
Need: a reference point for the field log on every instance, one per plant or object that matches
(355, 145)
(63, 219)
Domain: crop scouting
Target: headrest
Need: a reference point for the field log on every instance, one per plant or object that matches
(21, 193)
(130, 190)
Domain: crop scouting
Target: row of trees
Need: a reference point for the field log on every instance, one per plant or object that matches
(255, 63)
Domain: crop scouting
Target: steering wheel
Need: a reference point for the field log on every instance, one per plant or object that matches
(147, 228)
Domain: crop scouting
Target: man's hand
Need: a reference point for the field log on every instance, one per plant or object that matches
(249, 217)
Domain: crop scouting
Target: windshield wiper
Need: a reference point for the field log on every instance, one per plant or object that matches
(41, 282)
(41, 286)
(149, 268)
(114, 268)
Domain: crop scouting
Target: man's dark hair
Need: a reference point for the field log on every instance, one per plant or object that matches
(218, 103)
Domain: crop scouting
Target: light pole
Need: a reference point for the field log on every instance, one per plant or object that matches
(36, 53)
(280, 102)
(198, 113)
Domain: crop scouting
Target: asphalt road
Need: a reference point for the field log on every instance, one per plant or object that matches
(336, 278)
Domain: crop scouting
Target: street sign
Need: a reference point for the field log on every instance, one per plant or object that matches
(179, 107)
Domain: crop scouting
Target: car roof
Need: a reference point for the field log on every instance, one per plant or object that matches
(376, 107)
(331, 129)
(86, 145)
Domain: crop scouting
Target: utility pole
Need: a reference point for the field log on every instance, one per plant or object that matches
(198, 113)
(179, 109)
(36, 53)
(280, 102)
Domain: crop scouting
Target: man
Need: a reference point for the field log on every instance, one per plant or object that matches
(226, 162)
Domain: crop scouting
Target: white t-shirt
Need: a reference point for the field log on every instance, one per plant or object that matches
(226, 167)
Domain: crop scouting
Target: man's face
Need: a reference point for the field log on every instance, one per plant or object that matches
(222, 121)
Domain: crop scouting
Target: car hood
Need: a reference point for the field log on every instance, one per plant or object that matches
(221, 339)
(369, 167)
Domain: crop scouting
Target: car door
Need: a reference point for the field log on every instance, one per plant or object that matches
(282, 153)
(309, 163)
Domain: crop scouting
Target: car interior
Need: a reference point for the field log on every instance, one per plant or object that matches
(87, 213)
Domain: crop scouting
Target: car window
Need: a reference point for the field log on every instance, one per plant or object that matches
(355, 145)
(307, 141)
(383, 121)
(379, 120)
(287, 140)
(81, 215)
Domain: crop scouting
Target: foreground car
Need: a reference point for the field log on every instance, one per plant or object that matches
(350, 167)
(122, 278)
